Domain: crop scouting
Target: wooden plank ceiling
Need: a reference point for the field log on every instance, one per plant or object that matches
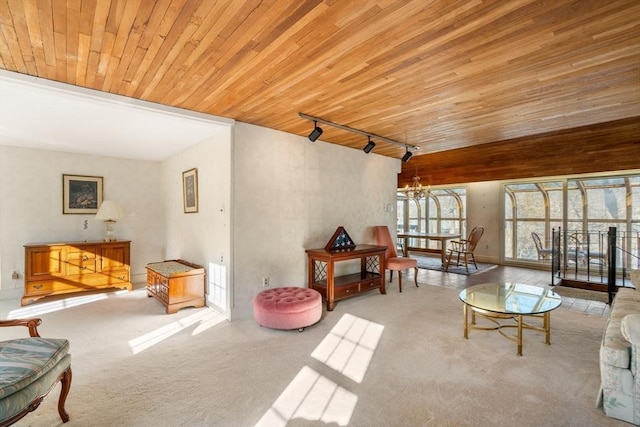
(442, 75)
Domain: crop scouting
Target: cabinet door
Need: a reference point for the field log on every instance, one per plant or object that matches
(114, 256)
(45, 262)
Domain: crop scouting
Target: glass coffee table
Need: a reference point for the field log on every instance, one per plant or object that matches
(504, 301)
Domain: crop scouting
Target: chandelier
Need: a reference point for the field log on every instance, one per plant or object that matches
(416, 191)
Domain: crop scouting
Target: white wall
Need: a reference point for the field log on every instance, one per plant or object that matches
(31, 207)
(483, 208)
(290, 195)
(204, 237)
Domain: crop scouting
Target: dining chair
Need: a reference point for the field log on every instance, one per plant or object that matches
(464, 248)
(543, 253)
(392, 261)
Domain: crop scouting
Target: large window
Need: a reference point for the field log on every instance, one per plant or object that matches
(583, 205)
(440, 210)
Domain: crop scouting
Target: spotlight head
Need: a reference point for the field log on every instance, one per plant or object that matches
(370, 146)
(407, 156)
(315, 133)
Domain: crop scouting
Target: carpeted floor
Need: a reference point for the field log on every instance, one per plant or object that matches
(433, 263)
(377, 360)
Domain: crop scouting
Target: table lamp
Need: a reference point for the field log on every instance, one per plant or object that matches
(109, 212)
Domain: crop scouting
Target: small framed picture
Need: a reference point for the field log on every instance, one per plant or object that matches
(81, 194)
(190, 190)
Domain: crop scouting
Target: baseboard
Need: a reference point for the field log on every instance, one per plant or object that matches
(488, 259)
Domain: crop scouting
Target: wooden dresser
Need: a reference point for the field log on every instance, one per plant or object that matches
(176, 284)
(62, 268)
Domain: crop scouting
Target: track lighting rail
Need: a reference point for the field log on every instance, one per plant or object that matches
(359, 132)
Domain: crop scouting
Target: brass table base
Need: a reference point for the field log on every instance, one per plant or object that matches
(520, 324)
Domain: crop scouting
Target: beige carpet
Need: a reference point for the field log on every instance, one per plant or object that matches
(376, 360)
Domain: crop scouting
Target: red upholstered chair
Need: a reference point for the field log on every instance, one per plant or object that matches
(392, 261)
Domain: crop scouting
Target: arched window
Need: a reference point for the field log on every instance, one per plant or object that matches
(577, 204)
(440, 210)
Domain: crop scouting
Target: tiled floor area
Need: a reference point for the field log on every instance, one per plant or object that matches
(590, 307)
(512, 274)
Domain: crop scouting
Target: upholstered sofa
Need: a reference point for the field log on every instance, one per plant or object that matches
(620, 359)
(29, 369)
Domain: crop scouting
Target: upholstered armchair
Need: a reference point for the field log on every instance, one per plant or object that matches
(30, 368)
(393, 262)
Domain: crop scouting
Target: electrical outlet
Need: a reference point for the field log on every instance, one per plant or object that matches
(265, 282)
(15, 275)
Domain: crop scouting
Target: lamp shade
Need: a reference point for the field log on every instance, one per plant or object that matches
(109, 211)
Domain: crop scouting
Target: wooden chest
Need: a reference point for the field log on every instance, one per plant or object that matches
(176, 284)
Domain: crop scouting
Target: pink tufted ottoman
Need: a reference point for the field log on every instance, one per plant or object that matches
(287, 308)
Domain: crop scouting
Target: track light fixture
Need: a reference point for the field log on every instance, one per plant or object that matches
(370, 145)
(407, 155)
(316, 132)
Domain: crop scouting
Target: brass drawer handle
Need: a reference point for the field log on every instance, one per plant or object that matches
(37, 286)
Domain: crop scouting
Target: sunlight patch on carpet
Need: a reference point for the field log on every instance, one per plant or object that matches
(205, 318)
(311, 396)
(349, 346)
(61, 304)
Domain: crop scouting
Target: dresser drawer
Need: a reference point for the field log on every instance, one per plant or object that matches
(346, 290)
(77, 267)
(113, 276)
(50, 286)
(36, 288)
(369, 285)
(151, 277)
(160, 291)
(83, 255)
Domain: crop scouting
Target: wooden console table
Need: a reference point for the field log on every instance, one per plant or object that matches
(176, 284)
(321, 270)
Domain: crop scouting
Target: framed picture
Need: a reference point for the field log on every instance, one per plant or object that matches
(81, 194)
(190, 190)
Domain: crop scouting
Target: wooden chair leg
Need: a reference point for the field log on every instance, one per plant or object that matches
(466, 263)
(400, 280)
(66, 386)
(415, 276)
(446, 267)
(390, 275)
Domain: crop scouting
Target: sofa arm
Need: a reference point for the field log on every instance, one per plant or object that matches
(32, 324)
(630, 328)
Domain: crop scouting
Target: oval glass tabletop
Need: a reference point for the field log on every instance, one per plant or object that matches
(511, 298)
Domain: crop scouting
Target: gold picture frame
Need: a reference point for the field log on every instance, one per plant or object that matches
(190, 190)
(81, 194)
